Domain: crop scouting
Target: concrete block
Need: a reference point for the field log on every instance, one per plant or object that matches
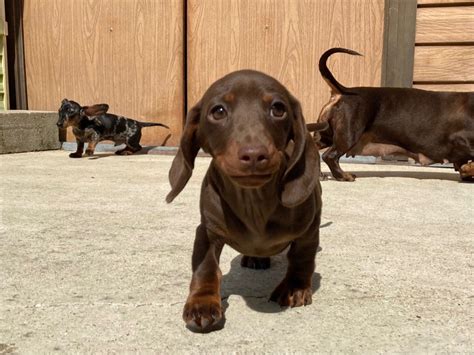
(26, 131)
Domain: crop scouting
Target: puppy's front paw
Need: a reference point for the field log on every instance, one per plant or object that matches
(202, 314)
(75, 155)
(89, 153)
(288, 295)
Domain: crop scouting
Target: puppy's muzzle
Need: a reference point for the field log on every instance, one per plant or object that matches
(252, 166)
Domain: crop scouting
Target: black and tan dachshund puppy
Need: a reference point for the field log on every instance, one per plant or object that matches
(92, 124)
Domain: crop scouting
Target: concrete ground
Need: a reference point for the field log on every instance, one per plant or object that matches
(93, 260)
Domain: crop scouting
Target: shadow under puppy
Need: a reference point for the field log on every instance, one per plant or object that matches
(92, 124)
(261, 192)
(427, 126)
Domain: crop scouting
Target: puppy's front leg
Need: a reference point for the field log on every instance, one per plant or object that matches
(203, 307)
(296, 288)
(79, 150)
(91, 148)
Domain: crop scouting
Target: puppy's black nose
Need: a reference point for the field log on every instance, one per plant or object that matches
(254, 156)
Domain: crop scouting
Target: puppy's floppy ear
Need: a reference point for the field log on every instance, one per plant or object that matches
(64, 101)
(302, 173)
(183, 163)
(95, 110)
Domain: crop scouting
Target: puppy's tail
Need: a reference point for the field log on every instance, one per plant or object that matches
(151, 124)
(336, 87)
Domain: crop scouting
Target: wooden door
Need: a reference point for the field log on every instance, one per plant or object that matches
(285, 39)
(127, 53)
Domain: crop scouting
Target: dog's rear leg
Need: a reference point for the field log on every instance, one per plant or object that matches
(331, 157)
(133, 145)
(253, 262)
(79, 150)
(203, 309)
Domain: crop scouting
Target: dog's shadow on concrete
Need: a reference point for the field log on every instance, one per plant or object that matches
(108, 154)
(143, 151)
(420, 175)
(256, 286)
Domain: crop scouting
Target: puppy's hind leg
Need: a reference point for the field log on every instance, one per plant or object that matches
(256, 263)
(133, 145)
(331, 158)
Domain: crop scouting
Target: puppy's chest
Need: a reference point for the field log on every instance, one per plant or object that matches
(253, 226)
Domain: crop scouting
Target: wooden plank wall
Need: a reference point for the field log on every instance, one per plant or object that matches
(285, 39)
(125, 53)
(444, 45)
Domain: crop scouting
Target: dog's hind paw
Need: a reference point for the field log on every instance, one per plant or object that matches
(256, 263)
(346, 177)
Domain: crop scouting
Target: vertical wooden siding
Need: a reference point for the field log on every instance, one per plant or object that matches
(128, 53)
(285, 39)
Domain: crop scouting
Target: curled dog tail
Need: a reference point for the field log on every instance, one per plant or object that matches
(327, 75)
(318, 126)
(151, 124)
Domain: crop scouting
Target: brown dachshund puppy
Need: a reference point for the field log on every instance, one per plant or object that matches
(428, 126)
(261, 192)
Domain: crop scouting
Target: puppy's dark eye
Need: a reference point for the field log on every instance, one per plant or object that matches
(218, 112)
(278, 110)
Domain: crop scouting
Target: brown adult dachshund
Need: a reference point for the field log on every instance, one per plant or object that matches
(261, 192)
(428, 126)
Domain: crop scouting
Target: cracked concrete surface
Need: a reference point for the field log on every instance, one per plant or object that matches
(94, 260)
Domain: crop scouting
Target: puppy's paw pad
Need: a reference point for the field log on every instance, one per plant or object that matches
(202, 316)
(256, 263)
